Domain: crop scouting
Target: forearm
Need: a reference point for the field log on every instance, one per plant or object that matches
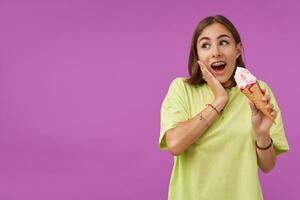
(266, 158)
(186, 133)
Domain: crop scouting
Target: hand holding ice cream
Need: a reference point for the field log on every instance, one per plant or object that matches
(250, 87)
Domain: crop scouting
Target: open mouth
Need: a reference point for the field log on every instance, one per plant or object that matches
(218, 66)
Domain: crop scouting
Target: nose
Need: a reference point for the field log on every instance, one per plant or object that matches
(216, 52)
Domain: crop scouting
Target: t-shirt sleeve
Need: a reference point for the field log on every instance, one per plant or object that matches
(277, 130)
(173, 109)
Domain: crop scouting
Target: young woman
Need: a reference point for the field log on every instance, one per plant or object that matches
(217, 136)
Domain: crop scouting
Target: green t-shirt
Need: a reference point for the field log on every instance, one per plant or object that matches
(222, 163)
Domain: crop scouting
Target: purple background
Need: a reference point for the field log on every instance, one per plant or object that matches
(82, 82)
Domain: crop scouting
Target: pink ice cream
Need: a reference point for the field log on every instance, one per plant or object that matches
(243, 77)
(251, 89)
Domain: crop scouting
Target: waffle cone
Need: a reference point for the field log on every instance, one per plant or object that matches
(255, 94)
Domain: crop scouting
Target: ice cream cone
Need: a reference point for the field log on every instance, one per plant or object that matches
(255, 94)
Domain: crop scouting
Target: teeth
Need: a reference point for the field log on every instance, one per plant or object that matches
(218, 64)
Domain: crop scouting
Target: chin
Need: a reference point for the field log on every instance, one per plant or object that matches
(223, 80)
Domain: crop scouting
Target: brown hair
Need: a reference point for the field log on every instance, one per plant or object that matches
(194, 70)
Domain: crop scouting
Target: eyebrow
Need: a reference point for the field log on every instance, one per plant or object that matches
(207, 38)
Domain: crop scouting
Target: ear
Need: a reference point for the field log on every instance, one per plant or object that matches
(238, 49)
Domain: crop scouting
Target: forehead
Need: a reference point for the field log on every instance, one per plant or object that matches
(213, 31)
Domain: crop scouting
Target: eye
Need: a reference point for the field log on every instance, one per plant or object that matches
(223, 42)
(205, 46)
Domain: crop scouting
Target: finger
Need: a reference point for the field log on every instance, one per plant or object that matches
(269, 106)
(274, 113)
(263, 91)
(201, 65)
(205, 72)
(266, 98)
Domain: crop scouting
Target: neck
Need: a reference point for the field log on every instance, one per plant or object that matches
(228, 84)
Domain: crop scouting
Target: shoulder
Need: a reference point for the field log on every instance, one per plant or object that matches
(178, 87)
(178, 83)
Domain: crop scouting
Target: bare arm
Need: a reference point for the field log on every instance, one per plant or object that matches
(186, 133)
(266, 158)
(262, 124)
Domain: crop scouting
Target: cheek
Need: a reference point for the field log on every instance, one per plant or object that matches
(202, 55)
(231, 68)
(232, 54)
(232, 58)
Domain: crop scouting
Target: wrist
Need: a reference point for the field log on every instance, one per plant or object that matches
(266, 146)
(219, 104)
(263, 140)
